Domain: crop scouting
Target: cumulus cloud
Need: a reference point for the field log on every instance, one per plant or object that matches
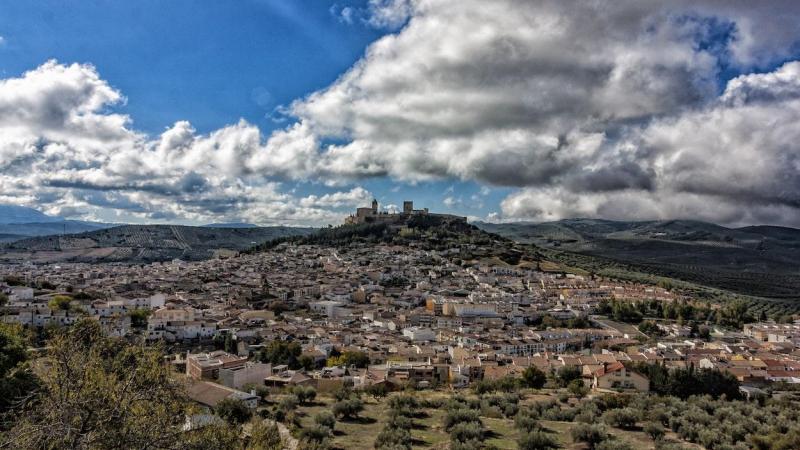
(63, 149)
(583, 101)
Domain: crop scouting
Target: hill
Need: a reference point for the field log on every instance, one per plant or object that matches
(143, 243)
(22, 214)
(760, 260)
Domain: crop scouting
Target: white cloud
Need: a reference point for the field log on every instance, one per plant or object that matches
(388, 13)
(587, 108)
(567, 98)
(62, 149)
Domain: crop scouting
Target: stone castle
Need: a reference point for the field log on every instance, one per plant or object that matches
(372, 214)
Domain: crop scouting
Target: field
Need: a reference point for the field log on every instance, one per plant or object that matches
(428, 430)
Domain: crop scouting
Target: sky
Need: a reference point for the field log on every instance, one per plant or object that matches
(296, 112)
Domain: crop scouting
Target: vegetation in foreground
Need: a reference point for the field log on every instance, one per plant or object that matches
(91, 391)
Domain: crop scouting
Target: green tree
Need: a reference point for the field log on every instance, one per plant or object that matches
(655, 430)
(101, 392)
(233, 411)
(348, 359)
(326, 419)
(348, 408)
(281, 352)
(16, 378)
(577, 388)
(377, 390)
(566, 374)
(532, 377)
(59, 302)
(589, 434)
(139, 318)
(305, 394)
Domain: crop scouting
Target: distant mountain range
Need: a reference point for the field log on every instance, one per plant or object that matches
(142, 243)
(20, 214)
(756, 260)
(18, 222)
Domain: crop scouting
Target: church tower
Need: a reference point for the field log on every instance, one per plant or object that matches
(374, 206)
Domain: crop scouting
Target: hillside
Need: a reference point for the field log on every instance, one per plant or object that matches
(142, 243)
(761, 260)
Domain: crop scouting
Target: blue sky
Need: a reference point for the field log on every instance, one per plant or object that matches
(213, 63)
(295, 112)
(209, 62)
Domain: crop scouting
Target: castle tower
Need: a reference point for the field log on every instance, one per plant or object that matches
(408, 207)
(374, 206)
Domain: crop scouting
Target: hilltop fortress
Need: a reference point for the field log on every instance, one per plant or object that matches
(372, 214)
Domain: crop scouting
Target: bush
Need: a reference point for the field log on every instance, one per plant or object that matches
(577, 388)
(288, 403)
(456, 416)
(613, 444)
(325, 419)
(526, 423)
(655, 430)
(467, 431)
(624, 418)
(393, 438)
(316, 432)
(233, 411)
(304, 394)
(590, 434)
(348, 408)
(404, 401)
(536, 440)
(377, 390)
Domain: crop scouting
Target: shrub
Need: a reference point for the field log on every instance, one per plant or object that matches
(377, 390)
(325, 419)
(577, 388)
(536, 440)
(624, 418)
(288, 403)
(348, 408)
(655, 430)
(304, 394)
(316, 432)
(233, 411)
(613, 444)
(404, 401)
(590, 434)
(526, 423)
(466, 431)
(456, 416)
(393, 438)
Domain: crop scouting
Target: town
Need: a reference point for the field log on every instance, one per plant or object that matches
(367, 316)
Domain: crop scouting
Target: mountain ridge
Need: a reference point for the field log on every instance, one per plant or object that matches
(142, 243)
(761, 261)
